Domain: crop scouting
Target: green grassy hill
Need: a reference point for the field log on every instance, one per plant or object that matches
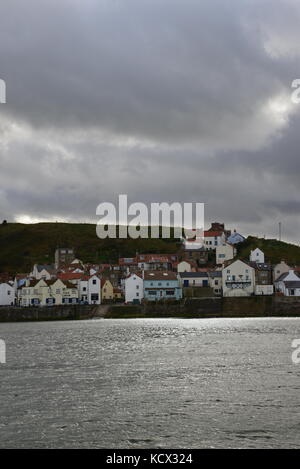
(274, 250)
(22, 245)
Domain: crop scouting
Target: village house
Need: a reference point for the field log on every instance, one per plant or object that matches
(279, 269)
(212, 239)
(238, 279)
(161, 285)
(156, 261)
(7, 293)
(215, 281)
(225, 252)
(107, 290)
(187, 266)
(288, 284)
(200, 256)
(43, 271)
(193, 279)
(90, 289)
(257, 256)
(263, 278)
(118, 294)
(134, 288)
(63, 256)
(128, 264)
(235, 238)
(47, 292)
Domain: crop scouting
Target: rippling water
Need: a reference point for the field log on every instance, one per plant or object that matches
(150, 383)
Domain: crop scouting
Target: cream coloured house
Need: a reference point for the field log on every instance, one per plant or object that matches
(107, 289)
(47, 292)
(238, 279)
(279, 269)
(225, 252)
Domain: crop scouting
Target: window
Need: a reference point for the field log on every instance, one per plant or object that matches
(94, 281)
(137, 294)
(94, 297)
(84, 289)
(151, 292)
(137, 287)
(170, 292)
(8, 292)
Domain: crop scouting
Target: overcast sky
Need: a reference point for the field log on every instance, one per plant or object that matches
(163, 100)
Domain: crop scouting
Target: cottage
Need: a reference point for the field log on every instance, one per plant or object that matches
(43, 271)
(279, 269)
(107, 289)
(215, 281)
(263, 278)
(7, 294)
(235, 238)
(47, 293)
(238, 279)
(193, 279)
(225, 252)
(186, 266)
(90, 289)
(288, 284)
(161, 285)
(134, 288)
(257, 256)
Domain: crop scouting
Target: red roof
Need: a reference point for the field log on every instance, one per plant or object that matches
(212, 233)
(70, 276)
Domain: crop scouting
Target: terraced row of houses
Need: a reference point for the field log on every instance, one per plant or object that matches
(154, 277)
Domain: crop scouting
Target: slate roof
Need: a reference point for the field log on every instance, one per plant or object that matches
(193, 274)
(159, 275)
(292, 284)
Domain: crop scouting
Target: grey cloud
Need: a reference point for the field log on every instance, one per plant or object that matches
(164, 101)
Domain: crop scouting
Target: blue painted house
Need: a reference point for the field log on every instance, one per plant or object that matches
(160, 285)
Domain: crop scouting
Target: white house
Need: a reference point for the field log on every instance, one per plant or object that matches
(257, 256)
(94, 290)
(134, 288)
(7, 294)
(212, 239)
(225, 252)
(288, 284)
(43, 271)
(238, 279)
(90, 289)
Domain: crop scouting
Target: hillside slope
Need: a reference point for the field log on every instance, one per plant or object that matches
(274, 250)
(23, 245)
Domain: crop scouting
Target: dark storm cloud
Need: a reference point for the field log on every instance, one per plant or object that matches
(163, 100)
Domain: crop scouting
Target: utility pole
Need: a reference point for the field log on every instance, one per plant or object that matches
(280, 231)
